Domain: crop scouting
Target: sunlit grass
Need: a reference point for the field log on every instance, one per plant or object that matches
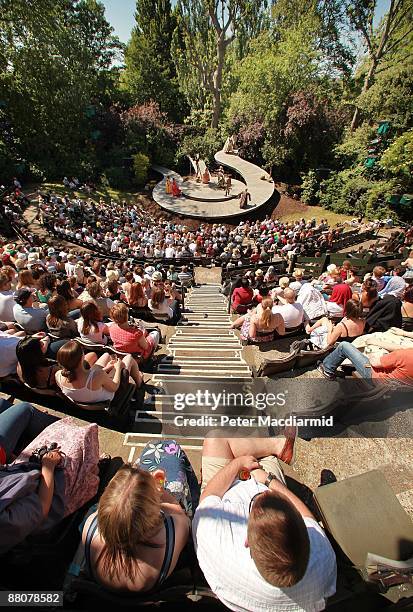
(106, 193)
(318, 213)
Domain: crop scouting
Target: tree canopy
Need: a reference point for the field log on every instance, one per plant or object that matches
(317, 91)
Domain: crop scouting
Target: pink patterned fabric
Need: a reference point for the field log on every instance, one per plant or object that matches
(81, 445)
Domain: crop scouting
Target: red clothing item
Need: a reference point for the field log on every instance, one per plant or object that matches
(242, 295)
(343, 274)
(397, 364)
(127, 340)
(341, 294)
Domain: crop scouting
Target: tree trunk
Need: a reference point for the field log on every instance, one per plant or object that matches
(366, 86)
(218, 82)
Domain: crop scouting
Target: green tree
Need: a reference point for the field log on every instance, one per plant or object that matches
(398, 158)
(394, 31)
(141, 165)
(56, 55)
(206, 29)
(149, 69)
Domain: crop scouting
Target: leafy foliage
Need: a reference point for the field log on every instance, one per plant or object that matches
(398, 158)
(141, 165)
(309, 188)
(150, 73)
(147, 130)
(205, 145)
(56, 58)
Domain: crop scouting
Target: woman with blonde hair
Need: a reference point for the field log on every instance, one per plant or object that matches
(131, 338)
(261, 324)
(142, 523)
(25, 279)
(283, 283)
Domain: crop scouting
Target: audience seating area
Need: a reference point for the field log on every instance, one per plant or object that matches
(254, 320)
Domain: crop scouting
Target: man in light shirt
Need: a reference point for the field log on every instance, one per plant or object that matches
(291, 311)
(258, 545)
(169, 252)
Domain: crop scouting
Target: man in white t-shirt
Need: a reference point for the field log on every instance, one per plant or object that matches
(169, 252)
(258, 545)
(8, 357)
(291, 311)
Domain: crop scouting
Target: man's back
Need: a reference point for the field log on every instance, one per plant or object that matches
(293, 314)
(6, 306)
(31, 319)
(220, 534)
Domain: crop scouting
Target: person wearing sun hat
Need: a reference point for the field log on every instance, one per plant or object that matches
(298, 280)
(149, 270)
(32, 259)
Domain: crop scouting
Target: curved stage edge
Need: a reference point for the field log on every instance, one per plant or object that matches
(261, 190)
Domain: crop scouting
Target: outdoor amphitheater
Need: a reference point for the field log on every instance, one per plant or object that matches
(206, 305)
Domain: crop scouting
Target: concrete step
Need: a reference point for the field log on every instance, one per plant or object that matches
(182, 351)
(203, 323)
(189, 378)
(202, 343)
(200, 316)
(204, 331)
(215, 335)
(205, 363)
(208, 338)
(210, 308)
(200, 371)
(198, 366)
(200, 359)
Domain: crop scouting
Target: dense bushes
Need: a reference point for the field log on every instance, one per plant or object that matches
(140, 167)
(206, 145)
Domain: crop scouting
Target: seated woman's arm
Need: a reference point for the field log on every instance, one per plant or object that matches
(253, 328)
(334, 333)
(310, 328)
(142, 342)
(105, 330)
(106, 381)
(279, 325)
(46, 487)
(238, 322)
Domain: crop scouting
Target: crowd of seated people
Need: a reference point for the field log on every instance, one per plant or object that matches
(44, 312)
(124, 228)
(333, 310)
(258, 545)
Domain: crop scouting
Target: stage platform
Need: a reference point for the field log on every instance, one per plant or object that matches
(209, 201)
